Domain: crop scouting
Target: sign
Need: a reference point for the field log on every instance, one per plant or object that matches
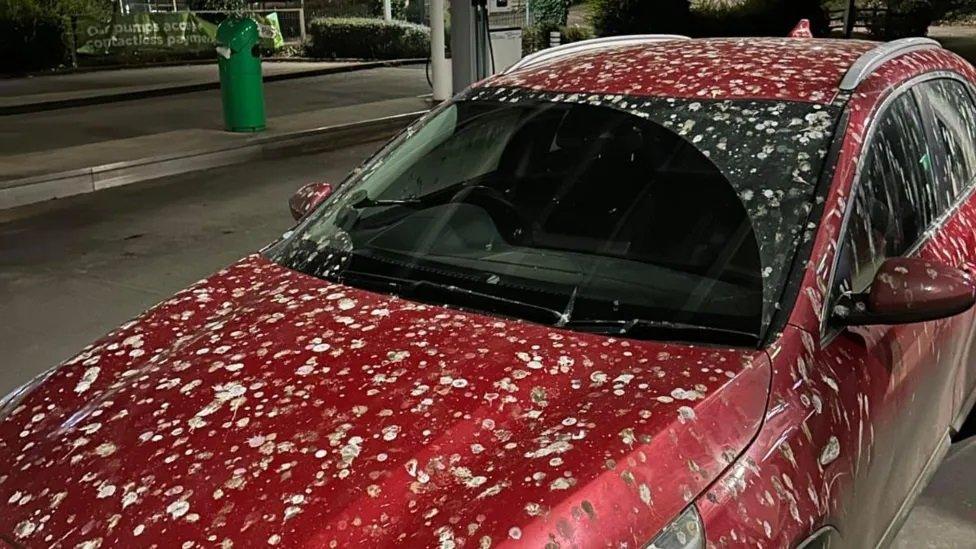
(171, 32)
(500, 6)
(180, 31)
(270, 30)
(506, 48)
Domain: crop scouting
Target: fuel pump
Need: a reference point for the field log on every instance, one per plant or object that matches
(469, 42)
(486, 37)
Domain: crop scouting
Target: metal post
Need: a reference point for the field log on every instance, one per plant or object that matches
(849, 14)
(479, 46)
(387, 10)
(440, 69)
(301, 19)
(74, 40)
(462, 44)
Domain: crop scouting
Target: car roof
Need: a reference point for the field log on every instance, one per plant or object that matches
(793, 69)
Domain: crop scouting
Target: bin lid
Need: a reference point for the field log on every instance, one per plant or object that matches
(238, 32)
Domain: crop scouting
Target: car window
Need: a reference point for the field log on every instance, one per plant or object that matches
(894, 198)
(434, 159)
(675, 212)
(950, 110)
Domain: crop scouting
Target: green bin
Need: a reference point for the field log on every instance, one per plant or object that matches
(239, 60)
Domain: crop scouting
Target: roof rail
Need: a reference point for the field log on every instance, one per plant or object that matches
(870, 61)
(592, 44)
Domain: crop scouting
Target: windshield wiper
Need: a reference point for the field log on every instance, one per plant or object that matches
(462, 297)
(367, 202)
(439, 196)
(653, 329)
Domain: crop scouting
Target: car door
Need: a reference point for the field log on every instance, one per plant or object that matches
(903, 376)
(949, 110)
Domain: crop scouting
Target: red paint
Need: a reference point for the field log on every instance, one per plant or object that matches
(906, 285)
(802, 30)
(718, 68)
(308, 198)
(265, 406)
(586, 392)
(778, 493)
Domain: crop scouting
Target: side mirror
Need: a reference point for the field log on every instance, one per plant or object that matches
(308, 198)
(905, 291)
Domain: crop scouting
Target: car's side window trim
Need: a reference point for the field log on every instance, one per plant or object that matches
(826, 334)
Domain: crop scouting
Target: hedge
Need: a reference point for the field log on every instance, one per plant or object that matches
(616, 17)
(536, 38)
(549, 13)
(353, 8)
(903, 18)
(709, 18)
(31, 36)
(31, 43)
(759, 18)
(367, 39)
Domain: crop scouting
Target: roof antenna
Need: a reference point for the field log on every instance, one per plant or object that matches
(802, 30)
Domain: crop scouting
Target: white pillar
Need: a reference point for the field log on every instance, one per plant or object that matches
(388, 10)
(440, 69)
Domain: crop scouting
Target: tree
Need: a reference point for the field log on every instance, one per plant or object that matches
(616, 17)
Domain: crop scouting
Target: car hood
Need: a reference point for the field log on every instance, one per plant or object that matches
(262, 405)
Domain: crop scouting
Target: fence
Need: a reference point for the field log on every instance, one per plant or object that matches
(517, 16)
(291, 20)
(863, 19)
(290, 17)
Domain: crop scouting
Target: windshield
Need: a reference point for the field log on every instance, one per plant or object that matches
(674, 219)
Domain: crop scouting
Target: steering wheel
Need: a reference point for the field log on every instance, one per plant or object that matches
(506, 216)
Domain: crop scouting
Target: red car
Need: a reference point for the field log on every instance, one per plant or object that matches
(636, 292)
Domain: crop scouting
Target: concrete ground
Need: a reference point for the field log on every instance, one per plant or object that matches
(962, 40)
(72, 269)
(61, 128)
(102, 81)
(55, 91)
(944, 516)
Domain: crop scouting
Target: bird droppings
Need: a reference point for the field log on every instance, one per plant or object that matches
(831, 407)
(208, 437)
(265, 406)
(830, 452)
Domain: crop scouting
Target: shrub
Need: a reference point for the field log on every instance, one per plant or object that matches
(533, 40)
(31, 43)
(708, 17)
(614, 17)
(758, 17)
(953, 10)
(550, 12)
(575, 33)
(536, 37)
(903, 18)
(367, 39)
(31, 36)
(352, 8)
(34, 33)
